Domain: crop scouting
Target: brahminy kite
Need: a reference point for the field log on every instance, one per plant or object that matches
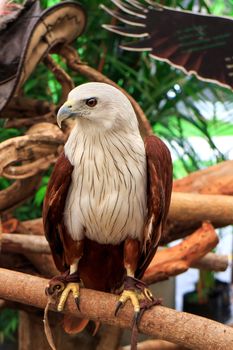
(108, 198)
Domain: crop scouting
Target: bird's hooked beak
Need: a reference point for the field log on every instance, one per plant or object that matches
(65, 112)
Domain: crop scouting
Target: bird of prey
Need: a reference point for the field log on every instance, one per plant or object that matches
(196, 43)
(107, 199)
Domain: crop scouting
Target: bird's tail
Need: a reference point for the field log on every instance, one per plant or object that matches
(72, 324)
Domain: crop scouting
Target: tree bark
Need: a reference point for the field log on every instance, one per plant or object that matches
(18, 243)
(180, 328)
(189, 210)
(216, 179)
(155, 344)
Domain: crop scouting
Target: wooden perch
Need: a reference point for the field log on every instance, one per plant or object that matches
(216, 179)
(180, 328)
(41, 141)
(172, 261)
(155, 344)
(212, 262)
(18, 243)
(36, 254)
(18, 192)
(40, 147)
(189, 210)
(193, 207)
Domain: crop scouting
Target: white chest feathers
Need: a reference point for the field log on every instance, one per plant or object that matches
(107, 197)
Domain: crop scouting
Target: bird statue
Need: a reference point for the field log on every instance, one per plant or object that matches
(197, 43)
(107, 199)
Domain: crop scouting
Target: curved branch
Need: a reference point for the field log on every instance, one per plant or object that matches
(181, 328)
(40, 146)
(18, 192)
(42, 140)
(28, 170)
(62, 77)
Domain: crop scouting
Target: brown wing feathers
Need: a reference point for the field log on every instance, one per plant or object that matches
(53, 209)
(197, 43)
(159, 172)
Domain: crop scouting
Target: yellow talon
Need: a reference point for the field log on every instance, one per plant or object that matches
(71, 287)
(148, 294)
(133, 296)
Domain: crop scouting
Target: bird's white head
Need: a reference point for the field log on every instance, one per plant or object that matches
(99, 106)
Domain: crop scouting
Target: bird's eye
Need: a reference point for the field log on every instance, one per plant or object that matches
(91, 102)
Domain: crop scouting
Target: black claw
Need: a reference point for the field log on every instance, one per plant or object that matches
(136, 319)
(77, 302)
(118, 306)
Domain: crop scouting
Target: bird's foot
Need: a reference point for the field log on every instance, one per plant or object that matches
(140, 296)
(71, 287)
(60, 286)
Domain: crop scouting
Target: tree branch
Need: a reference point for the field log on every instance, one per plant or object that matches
(212, 262)
(155, 344)
(189, 210)
(62, 77)
(180, 328)
(19, 243)
(216, 179)
(174, 260)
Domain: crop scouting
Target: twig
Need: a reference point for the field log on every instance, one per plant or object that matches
(180, 328)
(62, 77)
(174, 260)
(18, 192)
(92, 74)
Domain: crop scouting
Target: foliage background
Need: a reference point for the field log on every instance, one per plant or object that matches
(178, 106)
